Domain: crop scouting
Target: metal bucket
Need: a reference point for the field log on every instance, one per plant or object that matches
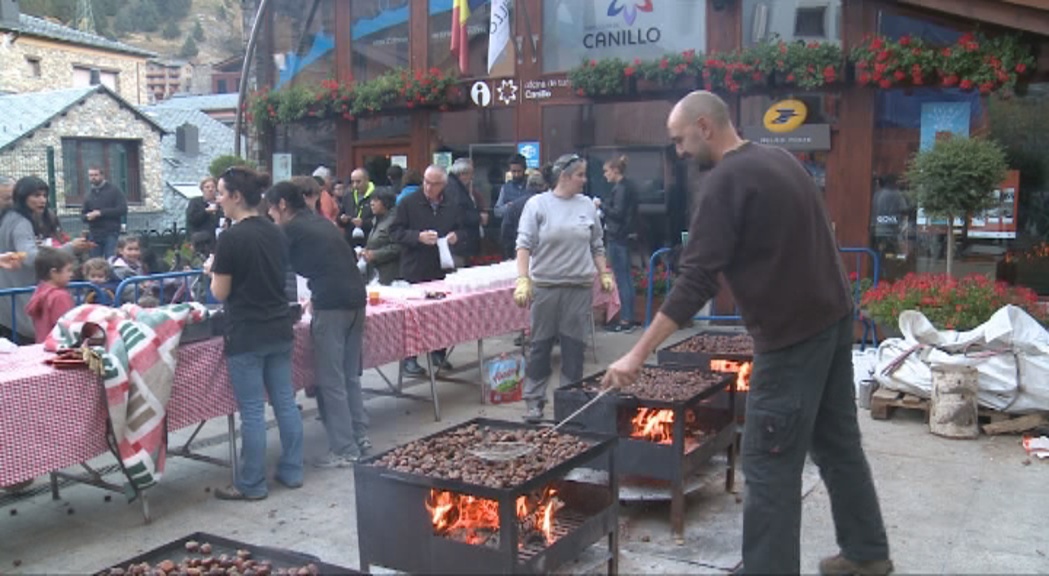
(866, 390)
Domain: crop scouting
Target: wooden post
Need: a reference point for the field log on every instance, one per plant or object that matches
(953, 410)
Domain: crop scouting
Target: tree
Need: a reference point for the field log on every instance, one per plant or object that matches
(189, 48)
(171, 30)
(146, 16)
(198, 31)
(222, 163)
(954, 179)
(125, 22)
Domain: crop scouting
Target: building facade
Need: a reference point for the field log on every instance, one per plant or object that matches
(865, 134)
(38, 54)
(165, 78)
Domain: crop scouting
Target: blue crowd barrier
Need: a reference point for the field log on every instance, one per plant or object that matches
(869, 332)
(134, 283)
(78, 290)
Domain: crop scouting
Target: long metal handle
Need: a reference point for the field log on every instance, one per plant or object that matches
(590, 403)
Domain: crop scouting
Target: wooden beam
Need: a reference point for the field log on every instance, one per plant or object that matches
(1011, 15)
(1016, 425)
(1036, 4)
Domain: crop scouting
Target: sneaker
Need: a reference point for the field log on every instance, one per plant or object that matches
(533, 415)
(232, 493)
(364, 444)
(411, 367)
(840, 565)
(620, 328)
(333, 460)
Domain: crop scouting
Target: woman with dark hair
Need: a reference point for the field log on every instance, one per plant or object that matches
(621, 219)
(31, 202)
(559, 251)
(248, 273)
(412, 181)
(382, 254)
(319, 253)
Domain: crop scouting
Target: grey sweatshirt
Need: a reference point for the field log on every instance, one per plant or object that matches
(16, 235)
(563, 236)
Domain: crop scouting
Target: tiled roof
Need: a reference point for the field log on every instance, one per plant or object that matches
(204, 102)
(215, 140)
(21, 114)
(33, 26)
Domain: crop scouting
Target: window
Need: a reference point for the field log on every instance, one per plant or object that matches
(811, 22)
(84, 77)
(595, 29)
(440, 30)
(379, 32)
(34, 66)
(119, 160)
(221, 86)
(768, 20)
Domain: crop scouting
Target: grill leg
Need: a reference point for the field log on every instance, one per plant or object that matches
(677, 509)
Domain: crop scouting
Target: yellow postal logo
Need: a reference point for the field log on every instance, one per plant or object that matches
(785, 116)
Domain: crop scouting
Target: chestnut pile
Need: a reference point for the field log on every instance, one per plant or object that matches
(668, 385)
(447, 455)
(202, 563)
(713, 344)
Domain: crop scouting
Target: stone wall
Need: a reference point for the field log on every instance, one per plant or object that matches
(57, 61)
(99, 116)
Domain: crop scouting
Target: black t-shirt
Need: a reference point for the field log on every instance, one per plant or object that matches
(254, 253)
(320, 254)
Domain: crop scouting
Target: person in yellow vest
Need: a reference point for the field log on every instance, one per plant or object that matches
(356, 216)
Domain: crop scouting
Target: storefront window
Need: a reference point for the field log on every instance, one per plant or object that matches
(599, 133)
(310, 145)
(596, 29)
(477, 28)
(303, 44)
(805, 20)
(379, 32)
(1021, 126)
(486, 136)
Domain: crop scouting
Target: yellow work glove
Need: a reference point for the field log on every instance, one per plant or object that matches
(523, 291)
(608, 282)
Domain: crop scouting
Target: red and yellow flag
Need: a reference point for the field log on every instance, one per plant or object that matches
(460, 42)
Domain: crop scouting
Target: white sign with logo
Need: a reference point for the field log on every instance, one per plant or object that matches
(481, 94)
(627, 29)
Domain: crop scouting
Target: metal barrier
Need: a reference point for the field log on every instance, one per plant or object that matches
(78, 290)
(184, 288)
(869, 332)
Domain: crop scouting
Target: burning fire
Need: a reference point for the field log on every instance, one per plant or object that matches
(474, 520)
(741, 369)
(654, 425)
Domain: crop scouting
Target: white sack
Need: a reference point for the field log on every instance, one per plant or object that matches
(1010, 351)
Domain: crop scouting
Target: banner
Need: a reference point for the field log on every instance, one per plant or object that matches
(499, 32)
(460, 38)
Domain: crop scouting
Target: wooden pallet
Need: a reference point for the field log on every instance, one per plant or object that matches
(885, 402)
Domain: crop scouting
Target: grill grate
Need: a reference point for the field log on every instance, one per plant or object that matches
(564, 523)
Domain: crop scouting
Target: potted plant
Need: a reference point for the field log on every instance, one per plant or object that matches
(606, 77)
(660, 281)
(949, 303)
(954, 179)
(1028, 268)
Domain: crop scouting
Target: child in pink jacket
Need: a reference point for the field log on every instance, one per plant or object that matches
(54, 270)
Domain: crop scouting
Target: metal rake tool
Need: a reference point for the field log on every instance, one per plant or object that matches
(506, 451)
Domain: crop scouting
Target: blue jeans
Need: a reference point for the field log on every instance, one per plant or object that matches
(105, 245)
(254, 375)
(619, 257)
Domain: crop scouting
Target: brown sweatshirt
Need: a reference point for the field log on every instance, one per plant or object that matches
(760, 220)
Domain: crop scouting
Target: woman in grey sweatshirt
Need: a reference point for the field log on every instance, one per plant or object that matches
(559, 250)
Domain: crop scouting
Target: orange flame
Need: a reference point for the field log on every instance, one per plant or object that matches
(654, 425)
(741, 369)
(474, 519)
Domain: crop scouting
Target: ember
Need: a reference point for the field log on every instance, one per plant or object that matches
(741, 369)
(476, 520)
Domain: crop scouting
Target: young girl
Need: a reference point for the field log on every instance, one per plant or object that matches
(54, 270)
(128, 261)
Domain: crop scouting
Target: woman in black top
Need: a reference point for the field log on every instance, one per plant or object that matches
(248, 274)
(621, 229)
(203, 216)
(319, 253)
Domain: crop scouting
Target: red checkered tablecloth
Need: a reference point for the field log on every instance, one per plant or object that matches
(460, 317)
(383, 341)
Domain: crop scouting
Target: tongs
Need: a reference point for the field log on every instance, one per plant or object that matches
(506, 451)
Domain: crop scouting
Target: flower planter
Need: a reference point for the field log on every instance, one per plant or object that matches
(639, 305)
(1033, 275)
(686, 82)
(645, 85)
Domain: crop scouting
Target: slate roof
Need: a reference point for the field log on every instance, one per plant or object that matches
(22, 114)
(215, 139)
(206, 102)
(33, 26)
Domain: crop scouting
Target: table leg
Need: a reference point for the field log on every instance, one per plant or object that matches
(480, 365)
(433, 388)
(232, 436)
(54, 487)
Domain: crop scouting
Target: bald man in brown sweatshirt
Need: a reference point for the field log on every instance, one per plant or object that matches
(761, 222)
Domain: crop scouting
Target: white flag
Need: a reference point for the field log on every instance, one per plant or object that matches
(498, 31)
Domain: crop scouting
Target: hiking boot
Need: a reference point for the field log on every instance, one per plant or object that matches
(839, 565)
(333, 460)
